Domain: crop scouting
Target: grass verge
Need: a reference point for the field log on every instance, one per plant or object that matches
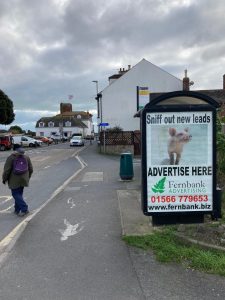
(167, 248)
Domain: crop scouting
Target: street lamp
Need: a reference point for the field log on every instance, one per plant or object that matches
(96, 82)
(99, 101)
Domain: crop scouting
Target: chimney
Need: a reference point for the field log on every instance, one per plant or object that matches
(186, 82)
(224, 81)
(65, 107)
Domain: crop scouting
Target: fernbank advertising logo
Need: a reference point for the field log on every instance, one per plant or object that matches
(159, 187)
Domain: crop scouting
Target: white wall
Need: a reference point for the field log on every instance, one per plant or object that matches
(88, 130)
(119, 99)
(48, 130)
(70, 130)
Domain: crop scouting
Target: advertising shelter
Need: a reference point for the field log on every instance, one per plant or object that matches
(179, 157)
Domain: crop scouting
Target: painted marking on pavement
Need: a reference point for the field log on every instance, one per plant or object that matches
(77, 152)
(71, 201)
(46, 167)
(93, 176)
(6, 210)
(40, 158)
(72, 188)
(6, 199)
(70, 230)
(9, 241)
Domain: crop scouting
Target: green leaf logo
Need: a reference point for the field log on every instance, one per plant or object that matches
(159, 186)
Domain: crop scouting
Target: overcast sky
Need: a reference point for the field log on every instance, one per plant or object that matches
(54, 48)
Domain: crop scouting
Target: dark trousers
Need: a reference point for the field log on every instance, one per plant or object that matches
(20, 204)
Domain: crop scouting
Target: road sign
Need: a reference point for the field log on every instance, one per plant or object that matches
(104, 124)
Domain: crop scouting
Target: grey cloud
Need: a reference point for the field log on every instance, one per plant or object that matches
(49, 51)
(215, 51)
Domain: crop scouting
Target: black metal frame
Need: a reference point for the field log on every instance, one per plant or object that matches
(153, 106)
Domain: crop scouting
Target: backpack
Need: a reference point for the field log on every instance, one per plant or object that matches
(20, 165)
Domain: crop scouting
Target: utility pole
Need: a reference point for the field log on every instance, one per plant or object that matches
(98, 107)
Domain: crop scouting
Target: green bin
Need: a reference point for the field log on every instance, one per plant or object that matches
(126, 166)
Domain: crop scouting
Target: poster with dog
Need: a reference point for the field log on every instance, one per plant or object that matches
(179, 161)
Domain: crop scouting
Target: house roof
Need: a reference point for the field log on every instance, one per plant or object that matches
(59, 118)
(218, 95)
(84, 115)
(71, 116)
(126, 72)
(3, 131)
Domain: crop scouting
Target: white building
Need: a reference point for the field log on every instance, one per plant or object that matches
(66, 123)
(119, 98)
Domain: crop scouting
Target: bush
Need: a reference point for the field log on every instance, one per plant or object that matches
(115, 129)
(220, 145)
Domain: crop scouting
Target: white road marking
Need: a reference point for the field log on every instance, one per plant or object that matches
(9, 241)
(77, 152)
(72, 188)
(93, 176)
(6, 210)
(70, 230)
(71, 201)
(46, 167)
(40, 158)
(7, 198)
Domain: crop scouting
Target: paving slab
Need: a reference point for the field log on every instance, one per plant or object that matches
(133, 221)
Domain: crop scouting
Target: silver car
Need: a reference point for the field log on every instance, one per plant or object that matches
(76, 141)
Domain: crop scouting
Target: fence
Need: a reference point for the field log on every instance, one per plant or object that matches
(118, 141)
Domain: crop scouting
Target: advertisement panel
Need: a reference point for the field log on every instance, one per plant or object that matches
(142, 97)
(179, 161)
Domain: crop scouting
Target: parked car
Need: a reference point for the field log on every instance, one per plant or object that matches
(39, 142)
(44, 139)
(76, 141)
(56, 138)
(50, 140)
(26, 141)
(76, 134)
(5, 142)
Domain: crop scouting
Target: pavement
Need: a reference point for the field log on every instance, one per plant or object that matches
(73, 241)
(128, 193)
(133, 221)
(71, 247)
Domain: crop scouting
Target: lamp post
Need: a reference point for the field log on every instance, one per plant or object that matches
(99, 107)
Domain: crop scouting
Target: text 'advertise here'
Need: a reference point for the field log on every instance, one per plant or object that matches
(178, 159)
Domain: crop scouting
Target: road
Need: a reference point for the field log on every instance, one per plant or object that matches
(72, 249)
(52, 166)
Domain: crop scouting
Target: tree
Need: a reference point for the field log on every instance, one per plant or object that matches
(16, 129)
(220, 145)
(115, 129)
(7, 115)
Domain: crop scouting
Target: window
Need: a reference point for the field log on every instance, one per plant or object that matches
(41, 124)
(50, 124)
(67, 124)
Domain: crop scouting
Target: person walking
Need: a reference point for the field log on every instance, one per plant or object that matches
(17, 172)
